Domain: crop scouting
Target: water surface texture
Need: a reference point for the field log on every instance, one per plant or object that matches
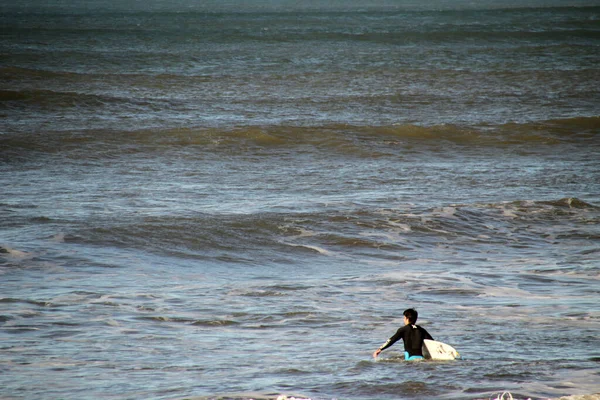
(238, 199)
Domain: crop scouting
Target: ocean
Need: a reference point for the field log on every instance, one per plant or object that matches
(238, 200)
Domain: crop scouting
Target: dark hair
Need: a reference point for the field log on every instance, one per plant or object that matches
(412, 315)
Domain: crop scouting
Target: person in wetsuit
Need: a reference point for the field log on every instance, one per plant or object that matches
(412, 335)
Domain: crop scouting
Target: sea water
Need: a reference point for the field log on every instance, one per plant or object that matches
(239, 199)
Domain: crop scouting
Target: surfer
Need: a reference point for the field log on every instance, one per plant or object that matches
(412, 335)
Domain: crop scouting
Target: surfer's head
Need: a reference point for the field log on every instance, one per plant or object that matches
(411, 315)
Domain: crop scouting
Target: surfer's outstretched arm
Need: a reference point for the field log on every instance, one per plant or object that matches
(389, 342)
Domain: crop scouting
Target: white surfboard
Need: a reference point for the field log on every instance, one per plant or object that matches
(434, 350)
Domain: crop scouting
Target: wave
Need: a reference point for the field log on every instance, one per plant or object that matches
(379, 233)
(55, 100)
(445, 34)
(17, 73)
(20, 73)
(569, 202)
(346, 139)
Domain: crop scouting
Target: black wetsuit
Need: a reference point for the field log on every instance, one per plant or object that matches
(413, 336)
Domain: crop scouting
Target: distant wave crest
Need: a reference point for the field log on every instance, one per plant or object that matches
(355, 141)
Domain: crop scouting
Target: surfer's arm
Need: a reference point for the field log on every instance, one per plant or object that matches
(383, 346)
(426, 335)
(389, 343)
(379, 350)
